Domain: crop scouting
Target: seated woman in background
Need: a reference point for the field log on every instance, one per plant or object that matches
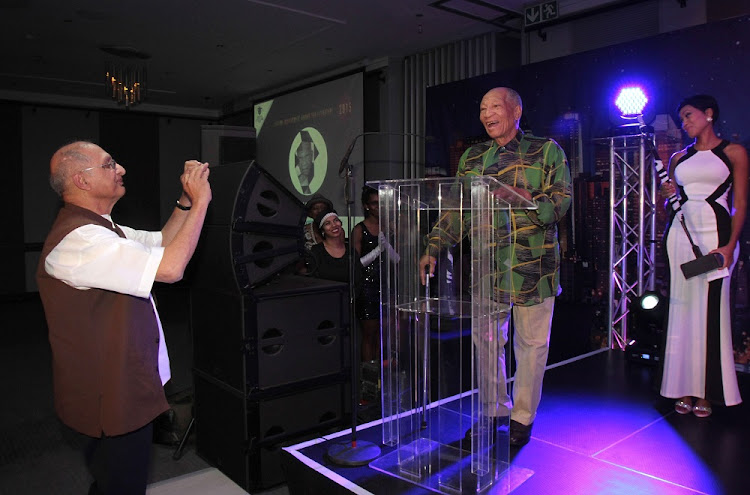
(310, 233)
(316, 204)
(329, 259)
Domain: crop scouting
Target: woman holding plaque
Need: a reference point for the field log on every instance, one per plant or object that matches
(710, 179)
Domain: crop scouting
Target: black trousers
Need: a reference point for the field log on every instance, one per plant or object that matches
(119, 464)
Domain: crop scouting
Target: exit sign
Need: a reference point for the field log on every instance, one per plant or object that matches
(543, 12)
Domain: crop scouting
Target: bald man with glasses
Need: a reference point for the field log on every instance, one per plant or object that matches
(110, 360)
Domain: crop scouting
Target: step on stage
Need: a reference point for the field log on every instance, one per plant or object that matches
(602, 428)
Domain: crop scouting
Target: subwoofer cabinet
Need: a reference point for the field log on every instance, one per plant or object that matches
(285, 332)
(242, 436)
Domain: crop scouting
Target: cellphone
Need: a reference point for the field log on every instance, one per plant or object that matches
(701, 265)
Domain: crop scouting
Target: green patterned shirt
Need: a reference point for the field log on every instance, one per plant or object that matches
(539, 166)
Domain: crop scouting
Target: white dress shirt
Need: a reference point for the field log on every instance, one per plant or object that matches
(94, 257)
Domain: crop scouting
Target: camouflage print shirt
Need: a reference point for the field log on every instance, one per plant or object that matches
(539, 166)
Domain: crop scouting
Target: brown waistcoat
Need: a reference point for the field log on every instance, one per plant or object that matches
(104, 344)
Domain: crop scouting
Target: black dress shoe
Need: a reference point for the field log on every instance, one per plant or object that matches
(519, 434)
(495, 424)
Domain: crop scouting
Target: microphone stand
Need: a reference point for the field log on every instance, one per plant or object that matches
(345, 161)
(352, 452)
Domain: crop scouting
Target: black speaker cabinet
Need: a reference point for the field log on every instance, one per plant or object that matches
(243, 437)
(253, 229)
(288, 331)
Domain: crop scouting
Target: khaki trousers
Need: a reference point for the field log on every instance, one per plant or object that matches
(531, 331)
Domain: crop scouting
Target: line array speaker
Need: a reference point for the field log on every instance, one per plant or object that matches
(253, 229)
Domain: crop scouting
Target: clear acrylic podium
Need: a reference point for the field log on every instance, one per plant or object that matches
(434, 336)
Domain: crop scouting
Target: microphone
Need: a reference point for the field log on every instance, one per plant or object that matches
(350, 149)
(673, 200)
(345, 160)
(661, 172)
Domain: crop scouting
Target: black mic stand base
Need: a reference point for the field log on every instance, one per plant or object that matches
(353, 453)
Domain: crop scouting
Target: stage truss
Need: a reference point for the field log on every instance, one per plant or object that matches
(632, 228)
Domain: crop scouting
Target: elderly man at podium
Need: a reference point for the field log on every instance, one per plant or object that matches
(536, 169)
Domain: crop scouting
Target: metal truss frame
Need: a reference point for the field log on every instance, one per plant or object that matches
(632, 228)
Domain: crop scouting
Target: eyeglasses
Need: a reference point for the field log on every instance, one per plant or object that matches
(111, 164)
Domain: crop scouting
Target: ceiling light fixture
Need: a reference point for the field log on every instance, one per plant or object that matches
(125, 82)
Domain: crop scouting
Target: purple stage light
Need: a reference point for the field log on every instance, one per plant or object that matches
(631, 101)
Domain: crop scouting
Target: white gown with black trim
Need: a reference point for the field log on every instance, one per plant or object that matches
(698, 357)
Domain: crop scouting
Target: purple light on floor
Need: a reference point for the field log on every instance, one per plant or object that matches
(629, 437)
(631, 101)
(664, 453)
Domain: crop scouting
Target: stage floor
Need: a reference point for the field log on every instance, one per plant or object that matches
(602, 428)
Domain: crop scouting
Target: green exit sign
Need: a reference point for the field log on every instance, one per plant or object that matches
(543, 12)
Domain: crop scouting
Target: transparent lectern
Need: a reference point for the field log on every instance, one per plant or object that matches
(443, 369)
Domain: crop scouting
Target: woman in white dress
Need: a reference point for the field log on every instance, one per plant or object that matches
(710, 178)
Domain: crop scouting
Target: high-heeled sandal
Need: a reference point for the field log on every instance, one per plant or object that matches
(682, 407)
(702, 411)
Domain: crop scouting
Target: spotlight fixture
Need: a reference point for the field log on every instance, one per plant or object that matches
(649, 301)
(631, 101)
(630, 110)
(647, 318)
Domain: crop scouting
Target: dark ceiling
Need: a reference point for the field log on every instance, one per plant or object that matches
(203, 54)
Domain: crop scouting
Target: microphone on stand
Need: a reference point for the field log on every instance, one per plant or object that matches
(353, 452)
(350, 149)
(345, 160)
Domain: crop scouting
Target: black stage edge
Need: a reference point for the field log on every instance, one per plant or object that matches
(602, 428)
